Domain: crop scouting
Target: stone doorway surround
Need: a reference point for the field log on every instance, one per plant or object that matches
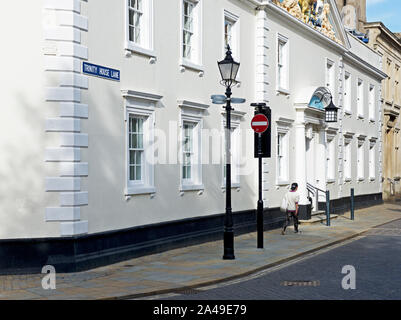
(309, 125)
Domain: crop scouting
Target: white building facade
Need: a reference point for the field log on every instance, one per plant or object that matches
(97, 169)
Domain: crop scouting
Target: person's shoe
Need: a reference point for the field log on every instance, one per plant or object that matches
(297, 231)
(282, 233)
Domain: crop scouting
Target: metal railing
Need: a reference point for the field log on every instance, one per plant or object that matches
(315, 192)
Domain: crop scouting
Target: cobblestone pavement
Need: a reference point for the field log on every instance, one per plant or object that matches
(200, 265)
(376, 258)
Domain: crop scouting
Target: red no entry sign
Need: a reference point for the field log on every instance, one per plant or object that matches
(259, 123)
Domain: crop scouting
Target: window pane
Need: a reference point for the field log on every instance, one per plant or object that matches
(138, 173)
(138, 157)
(132, 173)
(132, 157)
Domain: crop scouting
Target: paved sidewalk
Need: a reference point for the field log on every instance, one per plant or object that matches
(197, 265)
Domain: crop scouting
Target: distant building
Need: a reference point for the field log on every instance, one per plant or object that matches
(388, 45)
(353, 13)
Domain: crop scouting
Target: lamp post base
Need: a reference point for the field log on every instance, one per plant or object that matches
(228, 245)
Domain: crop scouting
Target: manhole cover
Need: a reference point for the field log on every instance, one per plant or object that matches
(188, 291)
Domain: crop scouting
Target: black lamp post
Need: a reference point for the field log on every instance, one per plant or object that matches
(228, 70)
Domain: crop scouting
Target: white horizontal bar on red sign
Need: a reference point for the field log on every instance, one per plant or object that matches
(259, 123)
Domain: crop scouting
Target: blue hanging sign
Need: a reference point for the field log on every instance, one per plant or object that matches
(99, 71)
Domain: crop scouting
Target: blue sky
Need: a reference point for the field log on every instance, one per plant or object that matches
(387, 11)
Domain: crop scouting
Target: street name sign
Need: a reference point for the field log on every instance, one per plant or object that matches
(99, 71)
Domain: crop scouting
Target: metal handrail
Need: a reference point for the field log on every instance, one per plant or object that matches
(312, 186)
(315, 191)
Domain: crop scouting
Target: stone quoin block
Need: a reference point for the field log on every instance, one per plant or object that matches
(75, 110)
(73, 228)
(62, 184)
(62, 125)
(62, 154)
(74, 198)
(74, 140)
(63, 214)
(73, 169)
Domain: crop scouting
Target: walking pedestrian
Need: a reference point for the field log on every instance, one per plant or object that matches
(292, 199)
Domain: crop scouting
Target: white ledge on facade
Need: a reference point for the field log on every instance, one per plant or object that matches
(234, 185)
(191, 104)
(347, 112)
(192, 187)
(282, 91)
(282, 183)
(185, 64)
(132, 48)
(330, 181)
(141, 95)
(139, 190)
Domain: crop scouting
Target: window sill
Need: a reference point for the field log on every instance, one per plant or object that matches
(372, 179)
(139, 190)
(133, 48)
(372, 120)
(361, 179)
(282, 183)
(283, 91)
(348, 179)
(348, 112)
(186, 64)
(361, 117)
(235, 185)
(191, 187)
(330, 181)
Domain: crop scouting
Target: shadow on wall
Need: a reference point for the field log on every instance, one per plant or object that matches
(22, 163)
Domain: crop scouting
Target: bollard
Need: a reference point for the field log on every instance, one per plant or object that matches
(352, 204)
(328, 208)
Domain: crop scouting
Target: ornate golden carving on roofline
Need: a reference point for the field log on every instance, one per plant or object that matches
(312, 12)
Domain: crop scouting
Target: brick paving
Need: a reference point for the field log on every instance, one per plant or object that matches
(198, 265)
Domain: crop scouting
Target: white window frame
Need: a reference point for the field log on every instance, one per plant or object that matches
(195, 62)
(372, 159)
(331, 77)
(331, 159)
(284, 86)
(347, 157)
(145, 47)
(192, 113)
(283, 128)
(372, 103)
(146, 185)
(348, 93)
(361, 159)
(236, 134)
(360, 98)
(141, 104)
